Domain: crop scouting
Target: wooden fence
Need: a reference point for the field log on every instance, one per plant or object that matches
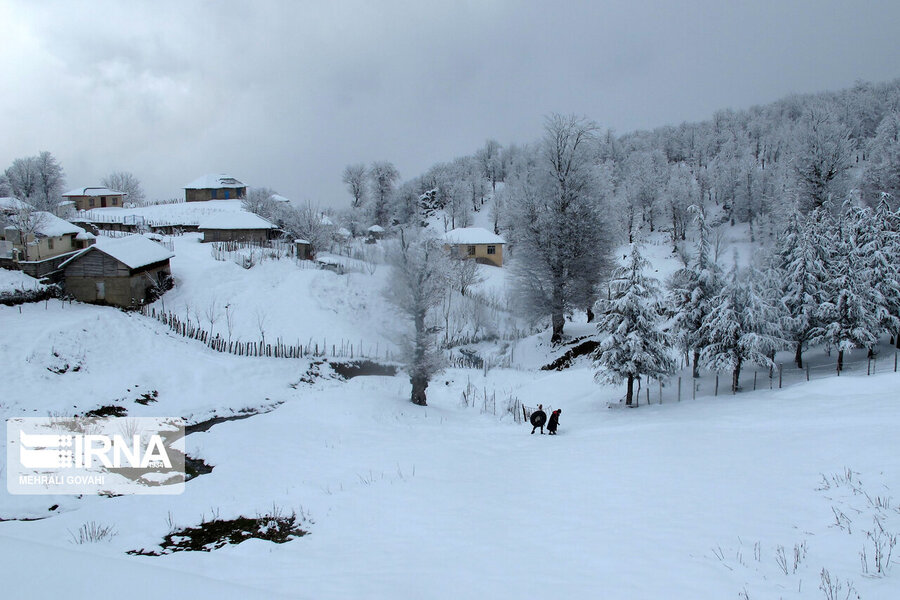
(277, 349)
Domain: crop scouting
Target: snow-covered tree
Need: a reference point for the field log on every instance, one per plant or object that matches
(306, 222)
(38, 180)
(489, 160)
(416, 287)
(561, 240)
(681, 192)
(881, 176)
(803, 255)
(823, 154)
(692, 290)
(259, 201)
(354, 177)
(382, 178)
(852, 310)
(632, 344)
(741, 328)
(124, 181)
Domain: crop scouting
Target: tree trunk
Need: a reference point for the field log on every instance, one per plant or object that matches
(419, 384)
(630, 391)
(590, 314)
(798, 356)
(559, 322)
(736, 378)
(840, 365)
(696, 364)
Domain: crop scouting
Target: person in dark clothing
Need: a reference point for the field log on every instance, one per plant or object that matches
(554, 421)
(538, 418)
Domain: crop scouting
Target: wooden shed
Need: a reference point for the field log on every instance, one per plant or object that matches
(236, 226)
(125, 272)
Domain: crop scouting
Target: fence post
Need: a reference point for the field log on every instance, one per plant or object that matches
(660, 390)
(807, 370)
(754, 381)
(679, 389)
(694, 385)
(895, 361)
(716, 393)
(648, 393)
(780, 366)
(868, 365)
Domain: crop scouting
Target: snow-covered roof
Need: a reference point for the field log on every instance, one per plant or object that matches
(94, 191)
(326, 220)
(472, 235)
(376, 229)
(234, 220)
(301, 242)
(278, 198)
(85, 235)
(344, 232)
(10, 203)
(214, 182)
(49, 225)
(134, 251)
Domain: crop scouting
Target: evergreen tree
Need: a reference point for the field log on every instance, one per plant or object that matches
(802, 262)
(742, 327)
(692, 290)
(634, 344)
(851, 312)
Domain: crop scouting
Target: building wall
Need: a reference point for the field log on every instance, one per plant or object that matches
(40, 249)
(235, 235)
(86, 275)
(205, 195)
(84, 202)
(481, 253)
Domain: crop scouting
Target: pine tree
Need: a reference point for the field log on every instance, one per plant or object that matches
(885, 256)
(849, 316)
(802, 259)
(692, 290)
(634, 344)
(742, 327)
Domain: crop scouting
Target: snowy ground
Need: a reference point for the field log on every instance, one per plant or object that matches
(747, 496)
(17, 281)
(686, 500)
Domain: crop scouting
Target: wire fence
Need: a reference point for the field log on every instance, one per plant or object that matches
(675, 389)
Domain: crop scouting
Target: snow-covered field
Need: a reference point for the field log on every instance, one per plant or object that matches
(689, 500)
(736, 496)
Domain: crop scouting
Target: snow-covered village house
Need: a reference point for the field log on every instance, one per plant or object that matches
(214, 187)
(125, 272)
(95, 197)
(36, 242)
(475, 243)
(238, 226)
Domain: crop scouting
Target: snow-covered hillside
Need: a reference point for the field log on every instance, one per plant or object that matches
(678, 501)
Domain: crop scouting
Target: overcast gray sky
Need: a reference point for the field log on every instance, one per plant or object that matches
(285, 94)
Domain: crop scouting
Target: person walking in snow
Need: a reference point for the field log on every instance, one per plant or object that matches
(554, 421)
(538, 418)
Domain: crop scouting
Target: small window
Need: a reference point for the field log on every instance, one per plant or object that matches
(492, 250)
(91, 202)
(115, 201)
(470, 250)
(213, 194)
(227, 195)
(50, 243)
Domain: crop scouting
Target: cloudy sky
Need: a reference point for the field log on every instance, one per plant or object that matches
(286, 93)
